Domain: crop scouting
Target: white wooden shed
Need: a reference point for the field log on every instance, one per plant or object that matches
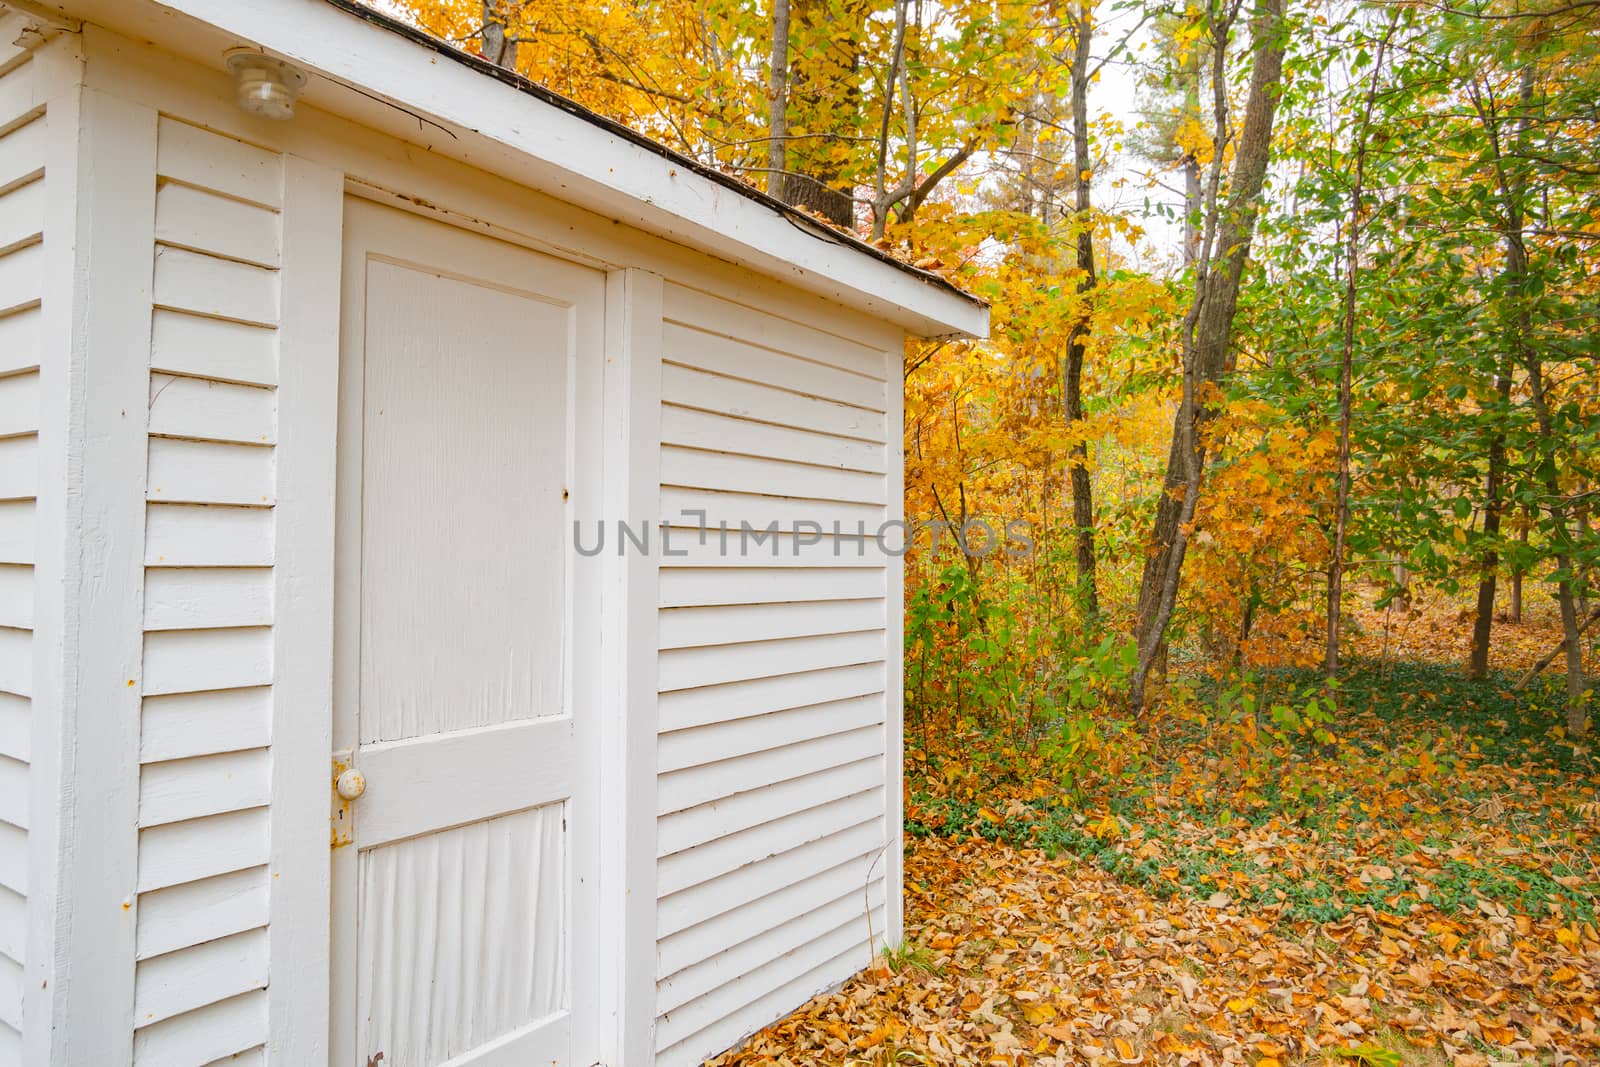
(296, 420)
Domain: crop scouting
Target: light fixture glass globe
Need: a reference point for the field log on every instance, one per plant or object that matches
(263, 85)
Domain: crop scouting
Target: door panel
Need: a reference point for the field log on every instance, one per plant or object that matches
(462, 933)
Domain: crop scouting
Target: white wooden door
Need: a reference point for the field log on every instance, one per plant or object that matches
(462, 878)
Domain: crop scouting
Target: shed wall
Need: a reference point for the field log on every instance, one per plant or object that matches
(22, 216)
(773, 670)
(775, 780)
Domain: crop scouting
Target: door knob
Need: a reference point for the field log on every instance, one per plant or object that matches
(351, 784)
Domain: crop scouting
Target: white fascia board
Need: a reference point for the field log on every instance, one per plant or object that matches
(582, 162)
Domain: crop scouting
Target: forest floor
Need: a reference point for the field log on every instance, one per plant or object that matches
(1412, 881)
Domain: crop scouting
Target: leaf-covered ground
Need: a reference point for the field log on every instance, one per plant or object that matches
(1418, 884)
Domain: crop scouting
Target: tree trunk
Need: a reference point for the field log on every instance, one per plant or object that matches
(1077, 342)
(1193, 203)
(778, 103)
(1514, 612)
(1489, 563)
(1209, 326)
(498, 43)
(824, 103)
(1341, 521)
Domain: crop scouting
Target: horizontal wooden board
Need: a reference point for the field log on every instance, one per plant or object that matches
(19, 404)
(19, 95)
(681, 790)
(179, 535)
(724, 703)
(702, 512)
(175, 790)
(22, 154)
(701, 310)
(209, 410)
(16, 596)
(16, 662)
(16, 726)
(689, 668)
(211, 1035)
(193, 345)
(13, 925)
(19, 468)
(197, 912)
(737, 359)
(684, 832)
(206, 285)
(710, 743)
(738, 890)
(14, 792)
(690, 469)
(187, 217)
(208, 472)
(22, 215)
(747, 400)
(197, 724)
(188, 598)
(17, 526)
(775, 547)
(21, 278)
(725, 433)
(219, 163)
(772, 942)
(14, 859)
(707, 939)
(19, 341)
(10, 993)
(704, 586)
(780, 832)
(772, 992)
(193, 661)
(689, 627)
(202, 848)
(193, 977)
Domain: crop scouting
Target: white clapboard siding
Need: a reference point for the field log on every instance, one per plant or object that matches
(219, 164)
(194, 536)
(710, 314)
(205, 781)
(721, 433)
(213, 348)
(204, 221)
(732, 738)
(190, 598)
(708, 940)
(734, 851)
(197, 912)
(685, 587)
(723, 703)
(737, 359)
(22, 216)
(197, 724)
(199, 975)
(771, 788)
(782, 985)
(212, 411)
(200, 848)
(19, 341)
(693, 509)
(212, 1034)
(20, 213)
(21, 152)
(691, 468)
(209, 472)
(691, 668)
(773, 942)
(704, 391)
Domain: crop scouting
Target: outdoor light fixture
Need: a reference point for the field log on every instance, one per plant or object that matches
(263, 85)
